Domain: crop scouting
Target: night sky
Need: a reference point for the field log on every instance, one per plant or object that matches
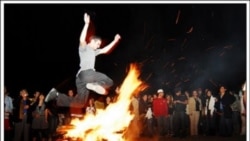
(177, 45)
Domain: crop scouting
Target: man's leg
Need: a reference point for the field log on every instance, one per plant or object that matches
(18, 131)
(95, 81)
(61, 99)
(82, 95)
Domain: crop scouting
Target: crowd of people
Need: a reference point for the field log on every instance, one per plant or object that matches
(178, 114)
(192, 113)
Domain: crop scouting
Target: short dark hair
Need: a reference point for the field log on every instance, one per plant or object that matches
(222, 85)
(177, 90)
(94, 37)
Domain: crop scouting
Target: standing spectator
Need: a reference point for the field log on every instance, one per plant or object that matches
(170, 103)
(160, 110)
(135, 111)
(22, 116)
(53, 119)
(187, 118)
(72, 110)
(243, 114)
(201, 124)
(236, 113)
(244, 89)
(154, 119)
(155, 96)
(149, 119)
(40, 120)
(224, 111)
(8, 111)
(209, 114)
(243, 102)
(152, 123)
(194, 112)
(90, 109)
(143, 108)
(180, 102)
(35, 99)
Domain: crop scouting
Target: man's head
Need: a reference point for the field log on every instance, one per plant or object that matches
(70, 93)
(177, 91)
(36, 94)
(95, 42)
(144, 97)
(24, 93)
(195, 93)
(160, 93)
(222, 89)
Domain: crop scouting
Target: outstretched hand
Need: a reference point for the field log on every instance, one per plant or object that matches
(117, 37)
(86, 18)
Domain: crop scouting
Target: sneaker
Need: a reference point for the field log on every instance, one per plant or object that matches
(96, 88)
(53, 93)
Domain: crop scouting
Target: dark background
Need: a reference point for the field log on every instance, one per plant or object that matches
(205, 46)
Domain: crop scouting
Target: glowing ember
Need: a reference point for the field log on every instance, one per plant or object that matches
(109, 124)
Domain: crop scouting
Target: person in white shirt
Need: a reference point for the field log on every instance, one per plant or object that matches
(209, 114)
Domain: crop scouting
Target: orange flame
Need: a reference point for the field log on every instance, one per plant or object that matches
(109, 124)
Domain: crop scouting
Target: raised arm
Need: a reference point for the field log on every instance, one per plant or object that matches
(83, 41)
(107, 48)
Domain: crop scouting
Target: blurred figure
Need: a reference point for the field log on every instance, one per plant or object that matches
(180, 102)
(201, 124)
(53, 120)
(195, 106)
(22, 115)
(90, 109)
(209, 114)
(244, 89)
(224, 111)
(236, 113)
(243, 110)
(8, 111)
(143, 108)
(40, 120)
(170, 118)
(135, 123)
(160, 110)
(187, 117)
(35, 99)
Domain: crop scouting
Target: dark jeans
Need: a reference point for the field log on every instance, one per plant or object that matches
(226, 127)
(84, 77)
(22, 129)
(53, 124)
(8, 135)
(150, 126)
(91, 76)
(147, 126)
(162, 124)
(210, 125)
(236, 122)
(180, 123)
(170, 127)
